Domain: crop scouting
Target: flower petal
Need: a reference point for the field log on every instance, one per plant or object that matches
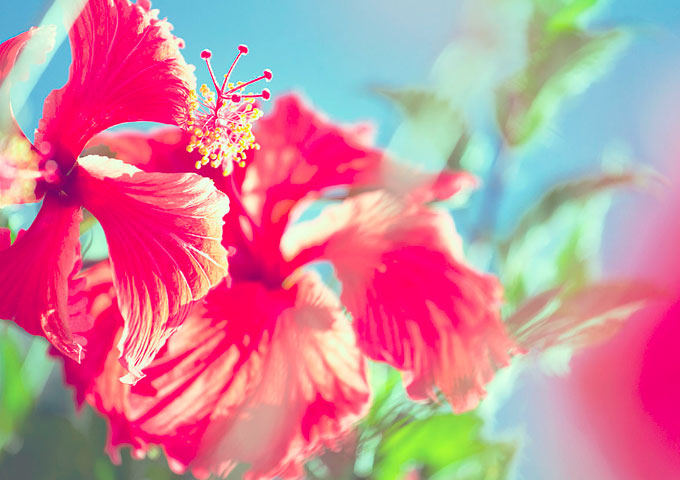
(301, 154)
(100, 324)
(34, 275)
(162, 150)
(415, 303)
(265, 377)
(164, 233)
(126, 67)
(311, 390)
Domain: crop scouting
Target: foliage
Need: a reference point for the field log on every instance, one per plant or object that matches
(564, 60)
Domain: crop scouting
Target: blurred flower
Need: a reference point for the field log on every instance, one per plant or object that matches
(163, 230)
(268, 370)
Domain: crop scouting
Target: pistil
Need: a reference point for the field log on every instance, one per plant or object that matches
(221, 122)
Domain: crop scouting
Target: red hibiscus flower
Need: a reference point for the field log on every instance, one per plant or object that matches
(269, 369)
(163, 230)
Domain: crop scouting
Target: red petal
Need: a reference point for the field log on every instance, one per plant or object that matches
(163, 150)
(126, 67)
(416, 305)
(101, 323)
(164, 233)
(302, 153)
(34, 275)
(266, 377)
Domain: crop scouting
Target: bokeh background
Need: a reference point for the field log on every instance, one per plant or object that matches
(612, 414)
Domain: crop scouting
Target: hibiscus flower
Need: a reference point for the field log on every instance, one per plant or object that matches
(164, 231)
(270, 369)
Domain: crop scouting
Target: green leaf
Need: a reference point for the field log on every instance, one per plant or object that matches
(578, 190)
(575, 319)
(16, 400)
(557, 16)
(384, 393)
(569, 16)
(433, 132)
(562, 66)
(445, 444)
(557, 241)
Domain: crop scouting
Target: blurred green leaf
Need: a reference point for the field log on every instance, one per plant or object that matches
(578, 190)
(64, 453)
(567, 17)
(381, 399)
(433, 132)
(564, 60)
(557, 241)
(578, 318)
(456, 156)
(443, 444)
(56, 446)
(16, 400)
(557, 16)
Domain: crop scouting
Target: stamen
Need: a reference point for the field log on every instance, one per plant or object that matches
(266, 75)
(221, 122)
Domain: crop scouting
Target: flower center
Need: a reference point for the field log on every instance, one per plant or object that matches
(221, 122)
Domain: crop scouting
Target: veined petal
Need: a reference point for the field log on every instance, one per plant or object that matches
(35, 271)
(311, 390)
(164, 233)
(126, 67)
(100, 324)
(415, 303)
(265, 377)
(162, 150)
(301, 153)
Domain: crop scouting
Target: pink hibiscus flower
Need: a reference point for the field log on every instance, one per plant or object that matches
(269, 369)
(164, 231)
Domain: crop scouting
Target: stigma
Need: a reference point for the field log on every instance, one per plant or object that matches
(221, 122)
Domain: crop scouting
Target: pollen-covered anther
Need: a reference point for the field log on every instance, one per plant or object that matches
(221, 122)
